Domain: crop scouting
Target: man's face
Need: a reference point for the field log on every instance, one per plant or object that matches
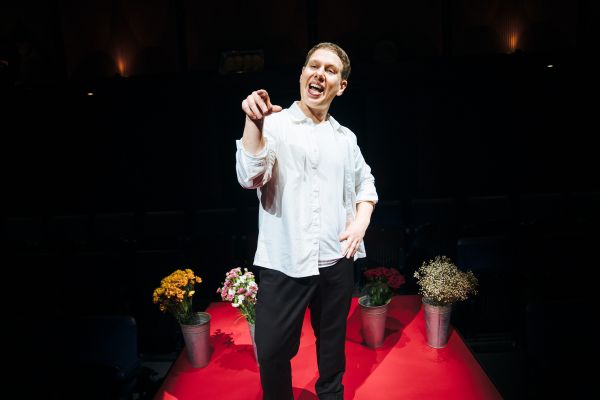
(321, 80)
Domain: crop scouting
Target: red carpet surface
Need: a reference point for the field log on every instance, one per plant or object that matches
(404, 368)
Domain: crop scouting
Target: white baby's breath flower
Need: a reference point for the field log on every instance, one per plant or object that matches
(442, 283)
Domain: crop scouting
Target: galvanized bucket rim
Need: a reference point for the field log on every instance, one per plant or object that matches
(362, 299)
(199, 318)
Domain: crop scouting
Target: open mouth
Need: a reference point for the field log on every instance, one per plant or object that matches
(314, 89)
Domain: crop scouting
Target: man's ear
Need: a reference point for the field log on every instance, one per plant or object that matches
(343, 86)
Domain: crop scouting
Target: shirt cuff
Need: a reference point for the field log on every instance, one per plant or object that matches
(373, 202)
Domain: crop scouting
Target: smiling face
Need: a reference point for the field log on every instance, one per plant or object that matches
(320, 82)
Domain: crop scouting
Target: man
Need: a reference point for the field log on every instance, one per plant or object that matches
(316, 197)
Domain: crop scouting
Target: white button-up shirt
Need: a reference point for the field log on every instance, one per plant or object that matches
(289, 217)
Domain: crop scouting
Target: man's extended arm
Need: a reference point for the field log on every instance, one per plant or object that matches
(253, 162)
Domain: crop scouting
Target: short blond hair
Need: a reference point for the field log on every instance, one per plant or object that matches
(338, 51)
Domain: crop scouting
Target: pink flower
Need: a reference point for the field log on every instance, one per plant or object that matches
(240, 289)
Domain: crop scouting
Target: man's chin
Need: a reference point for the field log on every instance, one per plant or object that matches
(316, 104)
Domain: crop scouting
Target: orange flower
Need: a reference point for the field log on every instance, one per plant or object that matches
(175, 294)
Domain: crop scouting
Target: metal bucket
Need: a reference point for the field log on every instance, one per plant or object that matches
(197, 340)
(437, 324)
(373, 323)
(251, 328)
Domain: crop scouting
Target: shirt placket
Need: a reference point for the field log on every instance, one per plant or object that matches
(315, 223)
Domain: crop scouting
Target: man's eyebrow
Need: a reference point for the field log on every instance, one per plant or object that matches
(317, 61)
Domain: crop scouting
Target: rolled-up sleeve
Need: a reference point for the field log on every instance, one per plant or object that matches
(250, 168)
(363, 179)
(255, 170)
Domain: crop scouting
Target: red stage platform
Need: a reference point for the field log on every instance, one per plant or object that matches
(404, 368)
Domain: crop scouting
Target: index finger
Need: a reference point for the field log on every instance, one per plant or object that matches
(261, 101)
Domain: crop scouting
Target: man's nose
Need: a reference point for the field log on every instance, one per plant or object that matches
(321, 73)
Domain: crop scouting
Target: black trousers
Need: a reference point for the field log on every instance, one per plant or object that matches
(281, 305)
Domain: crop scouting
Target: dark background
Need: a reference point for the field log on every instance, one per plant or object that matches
(119, 121)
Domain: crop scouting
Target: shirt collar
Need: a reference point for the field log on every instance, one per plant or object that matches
(298, 116)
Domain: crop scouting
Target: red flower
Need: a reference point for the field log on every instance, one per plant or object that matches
(380, 283)
(389, 276)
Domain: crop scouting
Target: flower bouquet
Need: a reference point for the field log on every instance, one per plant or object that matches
(240, 289)
(380, 284)
(442, 283)
(175, 295)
